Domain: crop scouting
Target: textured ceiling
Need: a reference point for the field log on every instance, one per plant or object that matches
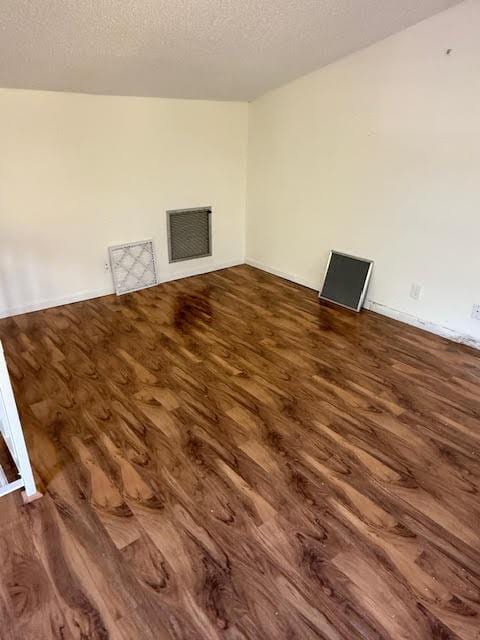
(218, 49)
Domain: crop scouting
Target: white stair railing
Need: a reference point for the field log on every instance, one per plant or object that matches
(12, 433)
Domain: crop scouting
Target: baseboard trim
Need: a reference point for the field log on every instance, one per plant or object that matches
(282, 274)
(91, 294)
(188, 273)
(389, 312)
(39, 305)
(420, 323)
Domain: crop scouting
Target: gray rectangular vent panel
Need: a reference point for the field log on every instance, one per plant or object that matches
(189, 233)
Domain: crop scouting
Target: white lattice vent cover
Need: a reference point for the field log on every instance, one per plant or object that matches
(133, 266)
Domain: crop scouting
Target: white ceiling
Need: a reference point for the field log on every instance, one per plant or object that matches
(216, 49)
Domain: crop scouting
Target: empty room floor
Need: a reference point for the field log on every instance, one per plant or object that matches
(222, 457)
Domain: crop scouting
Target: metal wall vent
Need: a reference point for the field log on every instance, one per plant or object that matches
(189, 233)
(133, 266)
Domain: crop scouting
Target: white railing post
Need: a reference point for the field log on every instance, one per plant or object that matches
(12, 432)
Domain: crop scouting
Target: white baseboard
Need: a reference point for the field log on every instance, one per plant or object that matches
(90, 294)
(282, 274)
(395, 314)
(38, 305)
(188, 273)
(420, 323)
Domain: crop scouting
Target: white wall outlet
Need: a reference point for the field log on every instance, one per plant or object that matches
(106, 266)
(476, 312)
(416, 291)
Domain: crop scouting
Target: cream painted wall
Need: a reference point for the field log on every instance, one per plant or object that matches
(379, 155)
(78, 173)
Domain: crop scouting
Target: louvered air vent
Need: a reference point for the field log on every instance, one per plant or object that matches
(189, 233)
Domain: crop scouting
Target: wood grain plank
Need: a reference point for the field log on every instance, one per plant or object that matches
(224, 457)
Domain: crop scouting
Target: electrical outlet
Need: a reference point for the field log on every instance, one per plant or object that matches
(106, 266)
(416, 291)
(476, 312)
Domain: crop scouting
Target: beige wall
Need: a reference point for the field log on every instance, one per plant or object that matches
(78, 173)
(378, 155)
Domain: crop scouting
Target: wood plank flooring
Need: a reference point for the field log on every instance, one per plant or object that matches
(224, 458)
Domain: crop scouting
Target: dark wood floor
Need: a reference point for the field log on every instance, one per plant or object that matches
(222, 457)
